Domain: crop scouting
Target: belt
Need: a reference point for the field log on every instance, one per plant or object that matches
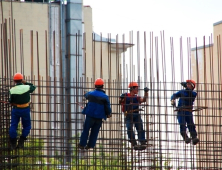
(131, 111)
(187, 110)
(22, 105)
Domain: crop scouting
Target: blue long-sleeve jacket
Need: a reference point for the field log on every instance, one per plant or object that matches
(98, 105)
(186, 96)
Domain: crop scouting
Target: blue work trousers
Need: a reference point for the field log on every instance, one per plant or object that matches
(94, 124)
(135, 119)
(186, 118)
(16, 114)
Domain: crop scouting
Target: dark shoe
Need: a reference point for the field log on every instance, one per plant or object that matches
(139, 147)
(21, 142)
(186, 138)
(13, 142)
(81, 147)
(195, 141)
(134, 143)
(88, 147)
(143, 142)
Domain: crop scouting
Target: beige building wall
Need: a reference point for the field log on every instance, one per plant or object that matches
(28, 17)
(208, 121)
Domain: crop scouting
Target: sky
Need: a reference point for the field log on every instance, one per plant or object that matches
(179, 19)
(186, 18)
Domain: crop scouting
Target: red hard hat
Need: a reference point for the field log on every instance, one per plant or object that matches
(192, 82)
(99, 82)
(18, 76)
(133, 84)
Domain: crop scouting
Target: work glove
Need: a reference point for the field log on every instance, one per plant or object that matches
(173, 103)
(109, 116)
(184, 84)
(122, 96)
(146, 89)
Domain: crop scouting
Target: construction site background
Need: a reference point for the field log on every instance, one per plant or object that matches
(62, 77)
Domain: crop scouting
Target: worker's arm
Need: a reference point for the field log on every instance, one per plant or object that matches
(10, 100)
(32, 87)
(86, 95)
(175, 96)
(108, 109)
(122, 98)
(145, 95)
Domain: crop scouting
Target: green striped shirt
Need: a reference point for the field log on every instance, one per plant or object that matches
(20, 93)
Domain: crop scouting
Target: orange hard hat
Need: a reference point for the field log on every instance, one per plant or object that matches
(99, 82)
(192, 82)
(133, 84)
(18, 76)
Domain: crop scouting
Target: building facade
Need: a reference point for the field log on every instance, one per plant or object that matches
(206, 71)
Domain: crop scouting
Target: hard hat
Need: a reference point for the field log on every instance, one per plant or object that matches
(133, 84)
(99, 82)
(193, 83)
(18, 76)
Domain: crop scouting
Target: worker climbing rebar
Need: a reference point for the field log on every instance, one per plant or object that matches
(184, 115)
(97, 109)
(20, 100)
(130, 106)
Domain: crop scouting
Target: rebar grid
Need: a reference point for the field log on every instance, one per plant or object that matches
(47, 144)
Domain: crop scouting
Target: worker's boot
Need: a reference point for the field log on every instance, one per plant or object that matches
(185, 137)
(195, 140)
(88, 147)
(80, 146)
(13, 142)
(21, 142)
(133, 141)
(143, 142)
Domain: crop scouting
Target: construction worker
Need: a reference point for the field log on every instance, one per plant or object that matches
(20, 100)
(130, 106)
(185, 107)
(97, 109)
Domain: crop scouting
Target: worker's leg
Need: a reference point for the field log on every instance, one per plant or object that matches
(182, 122)
(191, 127)
(89, 121)
(94, 133)
(139, 127)
(26, 124)
(15, 117)
(26, 121)
(129, 126)
(190, 124)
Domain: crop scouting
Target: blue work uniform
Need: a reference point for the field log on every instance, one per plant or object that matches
(19, 96)
(185, 117)
(98, 108)
(134, 118)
